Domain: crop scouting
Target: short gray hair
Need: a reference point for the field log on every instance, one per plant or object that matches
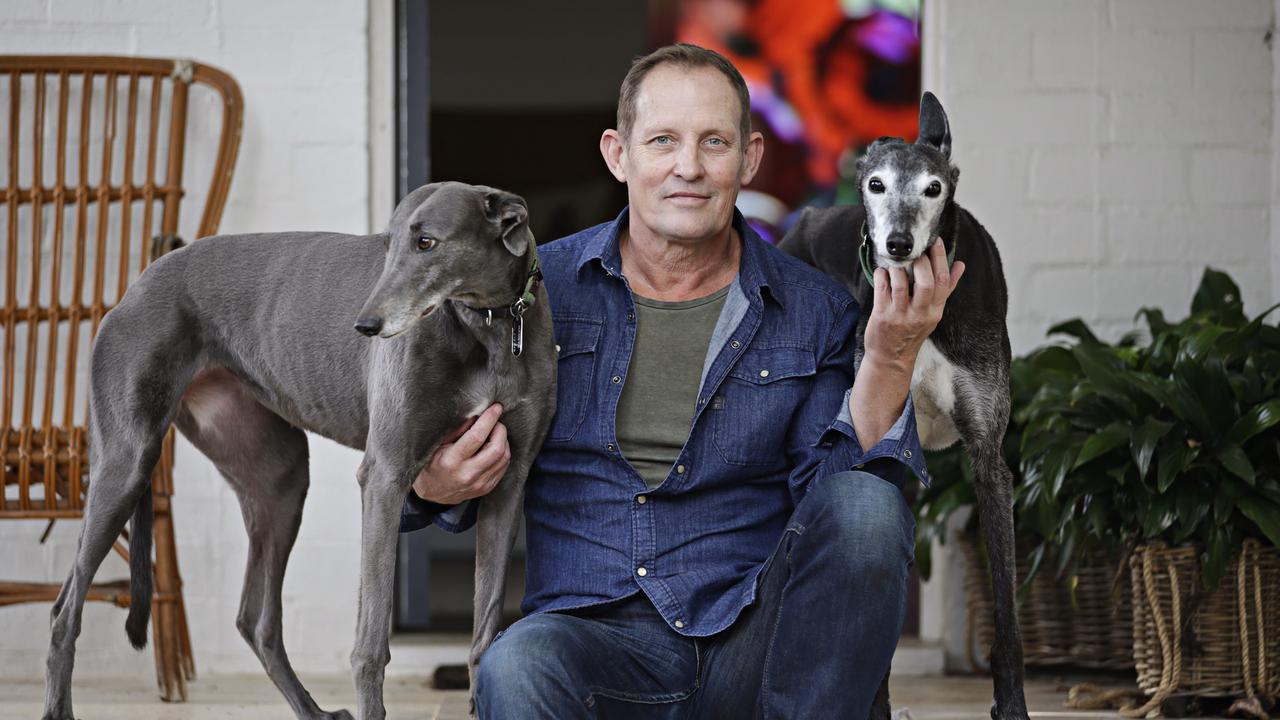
(688, 57)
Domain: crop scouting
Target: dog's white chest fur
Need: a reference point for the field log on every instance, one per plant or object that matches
(933, 389)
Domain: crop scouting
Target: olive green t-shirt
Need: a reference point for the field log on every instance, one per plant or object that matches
(656, 408)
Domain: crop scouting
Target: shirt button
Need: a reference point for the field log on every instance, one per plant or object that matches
(735, 344)
(557, 348)
(617, 379)
(679, 469)
(642, 499)
(631, 316)
(764, 373)
(679, 624)
(906, 454)
(642, 572)
(609, 447)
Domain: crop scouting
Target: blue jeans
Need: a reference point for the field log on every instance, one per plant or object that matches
(816, 643)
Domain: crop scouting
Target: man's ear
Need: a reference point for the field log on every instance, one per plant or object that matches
(510, 213)
(612, 148)
(755, 152)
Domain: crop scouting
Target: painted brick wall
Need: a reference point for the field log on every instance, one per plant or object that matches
(302, 65)
(1113, 148)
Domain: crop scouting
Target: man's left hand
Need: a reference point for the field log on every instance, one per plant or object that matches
(901, 320)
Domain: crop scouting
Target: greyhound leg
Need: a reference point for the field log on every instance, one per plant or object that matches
(382, 490)
(982, 437)
(264, 458)
(119, 476)
(497, 526)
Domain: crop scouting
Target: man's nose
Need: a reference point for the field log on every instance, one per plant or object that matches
(688, 162)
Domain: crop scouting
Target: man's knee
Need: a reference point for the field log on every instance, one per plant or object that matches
(863, 518)
(522, 669)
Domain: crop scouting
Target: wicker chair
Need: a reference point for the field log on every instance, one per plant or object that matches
(92, 188)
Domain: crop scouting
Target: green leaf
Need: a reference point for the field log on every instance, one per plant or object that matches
(1253, 422)
(1156, 515)
(1234, 460)
(1191, 510)
(1075, 328)
(1264, 513)
(1173, 460)
(1155, 320)
(1143, 444)
(1219, 296)
(1102, 442)
(1213, 561)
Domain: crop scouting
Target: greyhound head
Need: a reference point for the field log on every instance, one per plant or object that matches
(448, 241)
(907, 187)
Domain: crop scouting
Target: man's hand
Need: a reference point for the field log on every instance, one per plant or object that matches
(899, 324)
(469, 463)
(901, 320)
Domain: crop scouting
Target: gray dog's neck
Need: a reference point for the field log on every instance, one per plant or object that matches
(492, 332)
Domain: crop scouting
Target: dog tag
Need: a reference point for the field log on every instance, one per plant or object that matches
(517, 334)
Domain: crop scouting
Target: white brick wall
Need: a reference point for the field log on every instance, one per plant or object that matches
(302, 65)
(1113, 148)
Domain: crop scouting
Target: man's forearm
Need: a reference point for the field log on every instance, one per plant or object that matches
(879, 395)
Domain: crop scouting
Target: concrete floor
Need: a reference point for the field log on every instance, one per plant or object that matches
(252, 697)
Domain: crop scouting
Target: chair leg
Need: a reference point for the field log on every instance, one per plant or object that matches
(174, 662)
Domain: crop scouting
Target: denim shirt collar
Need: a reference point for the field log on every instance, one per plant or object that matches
(756, 270)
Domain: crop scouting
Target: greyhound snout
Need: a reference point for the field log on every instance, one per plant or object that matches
(899, 244)
(369, 325)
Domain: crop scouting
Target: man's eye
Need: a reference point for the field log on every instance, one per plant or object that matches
(717, 142)
(427, 243)
(663, 140)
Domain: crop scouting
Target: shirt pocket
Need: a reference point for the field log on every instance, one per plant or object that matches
(752, 411)
(576, 345)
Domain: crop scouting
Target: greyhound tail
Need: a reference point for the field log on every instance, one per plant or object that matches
(140, 571)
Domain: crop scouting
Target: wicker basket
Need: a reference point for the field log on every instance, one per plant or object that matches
(1095, 632)
(1229, 645)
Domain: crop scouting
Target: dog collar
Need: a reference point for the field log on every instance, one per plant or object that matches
(533, 277)
(864, 255)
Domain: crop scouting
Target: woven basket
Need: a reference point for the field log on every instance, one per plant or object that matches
(1095, 632)
(1229, 645)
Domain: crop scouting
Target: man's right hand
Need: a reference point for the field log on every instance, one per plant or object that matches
(469, 463)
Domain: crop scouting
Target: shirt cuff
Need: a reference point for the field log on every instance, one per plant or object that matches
(901, 443)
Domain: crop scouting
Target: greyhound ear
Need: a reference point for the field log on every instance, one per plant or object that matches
(510, 213)
(934, 129)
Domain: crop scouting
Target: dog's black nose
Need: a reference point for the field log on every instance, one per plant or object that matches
(899, 245)
(369, 326)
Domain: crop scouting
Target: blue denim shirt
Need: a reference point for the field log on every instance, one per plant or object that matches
(772, 416)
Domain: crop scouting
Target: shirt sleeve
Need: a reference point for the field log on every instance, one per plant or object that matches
(418, 513)
(821, 440)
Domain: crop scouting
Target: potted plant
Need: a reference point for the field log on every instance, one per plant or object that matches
(1172, 448)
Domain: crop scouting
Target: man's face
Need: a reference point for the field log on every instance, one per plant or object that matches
(684, 161)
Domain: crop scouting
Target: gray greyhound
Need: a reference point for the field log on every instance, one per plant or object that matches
(246, 341)
(961, 380)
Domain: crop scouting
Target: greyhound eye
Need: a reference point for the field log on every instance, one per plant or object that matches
(427, 243)
(875, 185)
(934, 189)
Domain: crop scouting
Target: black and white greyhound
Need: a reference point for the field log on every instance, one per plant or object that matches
(961, 381)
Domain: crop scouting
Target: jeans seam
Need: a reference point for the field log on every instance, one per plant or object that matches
(796, 529)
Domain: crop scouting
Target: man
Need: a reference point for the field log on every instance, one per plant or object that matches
(706, 535)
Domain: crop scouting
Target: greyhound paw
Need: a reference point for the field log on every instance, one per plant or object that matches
(1010, 714)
